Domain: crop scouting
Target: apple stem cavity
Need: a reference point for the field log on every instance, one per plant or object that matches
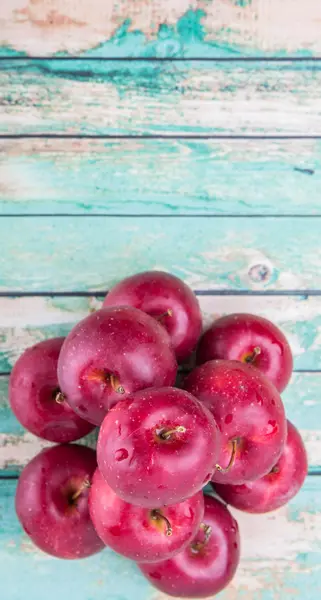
(156, 515)
(115, 384)
(60, 397)
(274, 470)
(85, 485)
(165, 434)
(197, 546)
(235, 443)
(167, 313)
(251, 357)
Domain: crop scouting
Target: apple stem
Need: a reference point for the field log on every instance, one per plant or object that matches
(85, 485)
(166, 434)
(251, 358)
(197, 546)
(115, 384)
(60, 397)
(167, 313)
(156, 515)
(232, 458)
(275, 469)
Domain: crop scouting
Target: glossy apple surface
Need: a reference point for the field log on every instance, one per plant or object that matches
(158, 447)
(52, 501)
(249, 339)
(35, 397)
(142, 534)
(166, 298)
(250, 415)
(276, 488)
(108, 355)
(208, 564)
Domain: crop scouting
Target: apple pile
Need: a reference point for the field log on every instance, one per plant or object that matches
(160, 442)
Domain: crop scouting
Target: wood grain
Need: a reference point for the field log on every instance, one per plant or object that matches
(161, 28)
(188, 176)
(26, 321)
(280, 558)
(75, 253)
(153, 98)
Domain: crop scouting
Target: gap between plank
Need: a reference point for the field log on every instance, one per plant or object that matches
(154, 136)
(159, 216)
(88, 293)
(219, 59)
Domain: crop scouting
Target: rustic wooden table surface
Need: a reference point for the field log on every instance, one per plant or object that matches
(175, 134)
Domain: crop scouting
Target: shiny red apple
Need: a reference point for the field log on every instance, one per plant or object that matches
(209, 562)
(35, 397)
(250, 415)
(142, 534)
(277, 487)
(158, 447)
(169, 300)
(108, 355)
(52, 501)
(249, 339)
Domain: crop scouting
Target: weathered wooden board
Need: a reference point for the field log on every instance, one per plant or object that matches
(302, 401)
(188, 176)
(25, 321)
(76, 253)
(280, 558)
(153, 98)
(161, 27)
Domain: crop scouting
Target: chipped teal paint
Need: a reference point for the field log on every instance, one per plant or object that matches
(107, 575)
(188, 176)
(302, 402)
(188, 39)
(50, 317)
(67, 253)
(183, 98)
(71, 253)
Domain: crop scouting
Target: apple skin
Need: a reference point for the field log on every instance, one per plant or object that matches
(147, 470)
(122, 342)
(203, 571)
(33, 388)
(276, 488)
(156, 292)
(248, 409)
(235, 336)
(54, 522)
(138, 533)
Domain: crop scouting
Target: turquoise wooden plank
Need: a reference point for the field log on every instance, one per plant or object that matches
(188, 176)
(26, 321)
(268, 570)
(162, 28)
(69, 253)
(301, 398)
(153, 98)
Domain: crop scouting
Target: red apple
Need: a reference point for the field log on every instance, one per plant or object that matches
(158, 447)
(250, 415)
(250, 339)
(111, 353)
(52, 501)
(277, 487)
(143, 534)
(208, 564)
(169, 300)
(35, 397)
